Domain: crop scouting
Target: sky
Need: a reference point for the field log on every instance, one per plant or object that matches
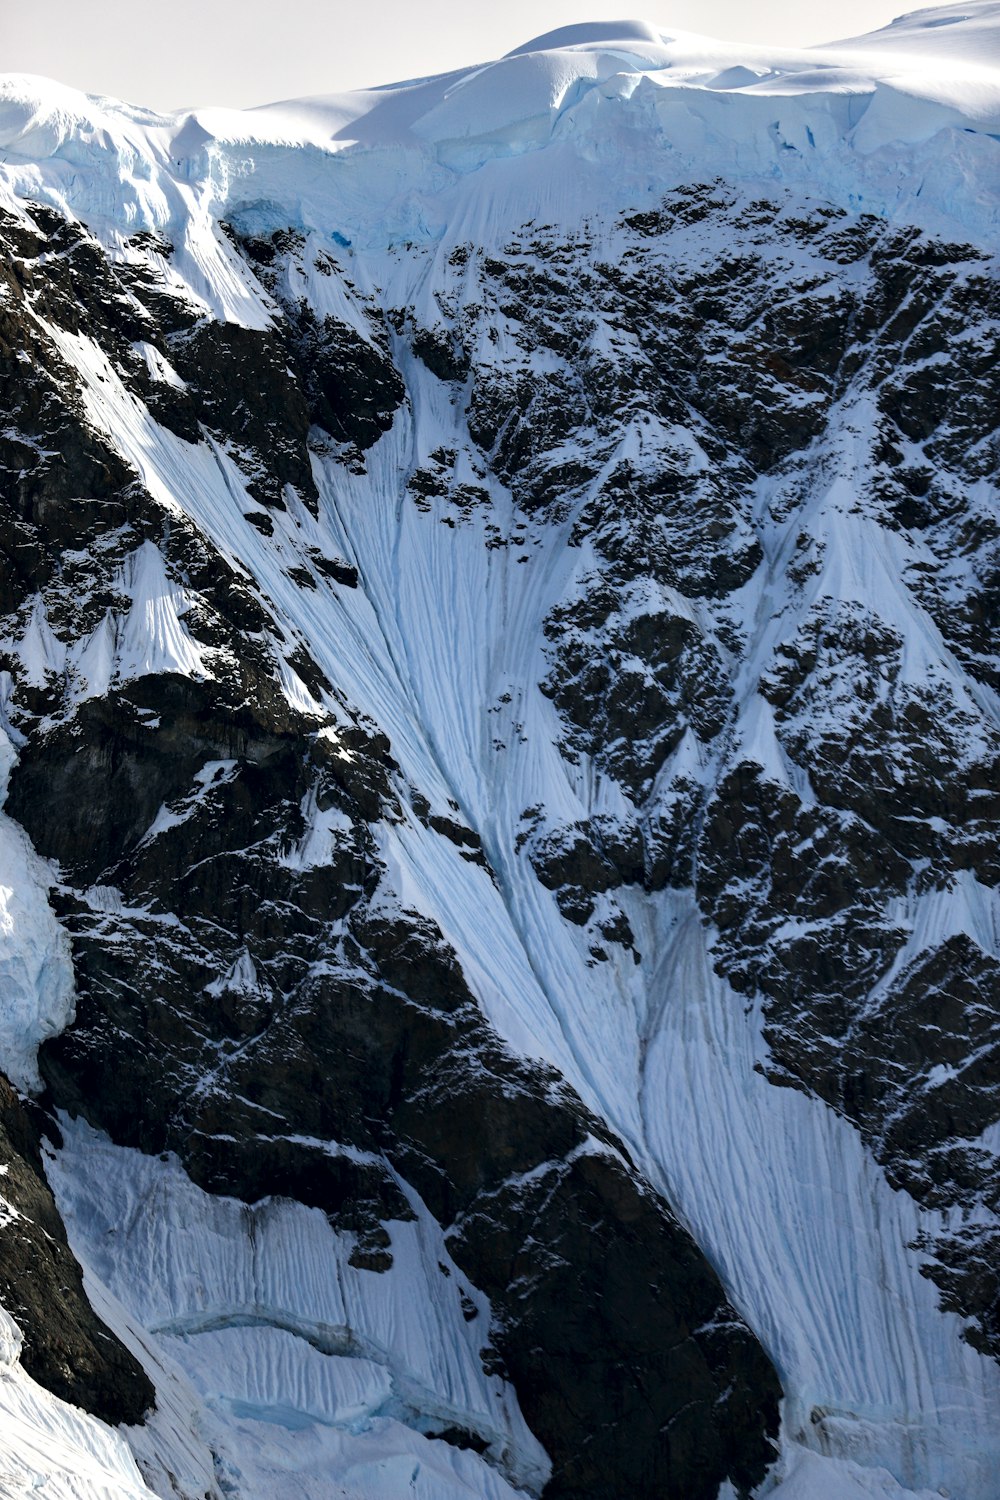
(171, 54)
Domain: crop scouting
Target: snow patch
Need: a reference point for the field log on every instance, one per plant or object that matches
(50, 1447)
(36, 970)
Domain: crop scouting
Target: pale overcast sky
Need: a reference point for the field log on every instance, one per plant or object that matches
(174, 53)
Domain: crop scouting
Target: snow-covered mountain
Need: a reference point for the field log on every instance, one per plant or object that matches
(499, 936)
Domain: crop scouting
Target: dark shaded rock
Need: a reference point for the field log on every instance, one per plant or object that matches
(344, 573)
(439, 352)
(580, 861)
(353, 387)
(61, 482)
(89, 790)
(256, 1008)
(910, 759)
(261, 520)
(67, 1348)
(413, 1072)
(220, 1017)
(639, 1287)
(798, 895)
(246, 393)
(628, 682)
(466, 840)
(921, 1075)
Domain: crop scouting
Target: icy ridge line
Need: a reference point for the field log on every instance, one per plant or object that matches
(908, 113)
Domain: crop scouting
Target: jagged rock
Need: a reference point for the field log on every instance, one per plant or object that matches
(66, 1347)
(245, 393)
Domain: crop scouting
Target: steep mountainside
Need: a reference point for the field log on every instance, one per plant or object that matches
(499, 943)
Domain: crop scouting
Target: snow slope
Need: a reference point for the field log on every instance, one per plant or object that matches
(46, 1444)
(307, 1368)
(810, 1239)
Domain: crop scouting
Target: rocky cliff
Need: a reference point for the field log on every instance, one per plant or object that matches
(500, 678)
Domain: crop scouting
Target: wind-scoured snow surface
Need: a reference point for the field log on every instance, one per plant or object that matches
(813, 1245)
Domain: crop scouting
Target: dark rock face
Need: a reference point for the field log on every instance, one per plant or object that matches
(245, 1001)
(581, 1302)
(629, 679)
(243, 390)
(237, 1000)
(725, 376)
(239, 1008)
(351, 387)
(912, 760)
(62, 485)
(66, 1346)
